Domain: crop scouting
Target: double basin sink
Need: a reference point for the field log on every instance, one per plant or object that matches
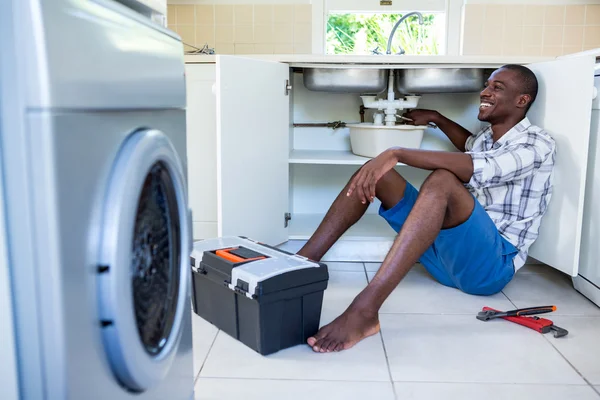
(407, 81)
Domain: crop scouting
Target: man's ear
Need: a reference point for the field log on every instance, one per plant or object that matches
(523, 100)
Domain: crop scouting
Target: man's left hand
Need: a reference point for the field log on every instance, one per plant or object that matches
(365, 181)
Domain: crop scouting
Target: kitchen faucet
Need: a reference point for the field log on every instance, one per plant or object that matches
(389, 44)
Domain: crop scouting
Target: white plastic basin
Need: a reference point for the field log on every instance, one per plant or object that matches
(370, 140)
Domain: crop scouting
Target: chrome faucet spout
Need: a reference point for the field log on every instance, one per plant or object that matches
(389, 44)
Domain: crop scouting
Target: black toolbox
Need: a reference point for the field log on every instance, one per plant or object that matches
(264, 297)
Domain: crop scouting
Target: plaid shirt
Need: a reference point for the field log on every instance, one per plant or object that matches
(512, 179)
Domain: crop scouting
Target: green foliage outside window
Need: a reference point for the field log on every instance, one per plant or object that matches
(363, 33)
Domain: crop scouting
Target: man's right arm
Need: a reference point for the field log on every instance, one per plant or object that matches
(456, 133)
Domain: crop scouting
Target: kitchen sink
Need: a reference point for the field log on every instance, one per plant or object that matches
(439, 80)
(346, 80)
(414, 81)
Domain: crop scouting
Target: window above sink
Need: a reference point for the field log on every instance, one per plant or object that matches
(365, 33)
(363, 27)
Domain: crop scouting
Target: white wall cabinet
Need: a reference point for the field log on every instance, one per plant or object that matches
(248, 159)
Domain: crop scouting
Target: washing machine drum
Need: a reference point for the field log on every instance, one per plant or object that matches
(143, 272)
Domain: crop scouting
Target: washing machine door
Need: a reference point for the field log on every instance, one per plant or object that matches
(143, 271)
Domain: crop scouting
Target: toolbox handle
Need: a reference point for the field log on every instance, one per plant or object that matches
(225, 253)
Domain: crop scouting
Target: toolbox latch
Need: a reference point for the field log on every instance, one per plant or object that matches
(242, 288)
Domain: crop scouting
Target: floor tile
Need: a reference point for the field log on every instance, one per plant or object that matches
(345, 266)
(224, 389)
(418, 293)
(552, 288)
(204, 334)
(347, 250)
(231, 359)
(343, 287)
(358, 250)
(580, 346)
(443, 348)
(462, 391)
(372, 267)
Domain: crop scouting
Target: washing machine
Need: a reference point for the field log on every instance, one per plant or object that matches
(96, 223)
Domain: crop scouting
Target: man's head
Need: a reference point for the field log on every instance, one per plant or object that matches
(508, 93)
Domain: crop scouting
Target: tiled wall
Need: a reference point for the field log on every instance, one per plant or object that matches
(532, 30)
(246, 28)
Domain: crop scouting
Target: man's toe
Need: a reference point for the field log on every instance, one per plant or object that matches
(318, 337)
(318, 347)
(323, 345)
(331, 346)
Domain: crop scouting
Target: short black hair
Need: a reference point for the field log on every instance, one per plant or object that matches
(528, 81)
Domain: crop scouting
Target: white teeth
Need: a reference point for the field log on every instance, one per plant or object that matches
(484, 105)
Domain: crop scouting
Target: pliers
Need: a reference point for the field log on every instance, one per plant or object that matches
(541, 325)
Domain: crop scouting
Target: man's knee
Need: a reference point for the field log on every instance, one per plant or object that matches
(390, 179)
(440, 180)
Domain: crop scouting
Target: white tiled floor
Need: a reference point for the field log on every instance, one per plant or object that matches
(431, 346)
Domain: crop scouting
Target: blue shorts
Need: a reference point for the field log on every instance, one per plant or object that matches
(472, 257)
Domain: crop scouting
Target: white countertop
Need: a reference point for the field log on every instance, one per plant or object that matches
(371, 60)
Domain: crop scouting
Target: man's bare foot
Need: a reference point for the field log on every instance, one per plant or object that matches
(345, 331)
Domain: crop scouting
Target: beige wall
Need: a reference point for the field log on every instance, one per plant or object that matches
(244, 28)
(491, 28)
(536, 30)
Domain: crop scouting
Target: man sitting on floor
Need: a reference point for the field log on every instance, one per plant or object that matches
(472, 222)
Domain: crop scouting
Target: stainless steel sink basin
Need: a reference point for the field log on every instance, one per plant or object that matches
(439, 80)
(346, 80)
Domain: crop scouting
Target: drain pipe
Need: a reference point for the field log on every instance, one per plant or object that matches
(391, 86)
(390, 113)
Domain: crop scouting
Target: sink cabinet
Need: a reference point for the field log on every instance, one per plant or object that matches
(253, 173)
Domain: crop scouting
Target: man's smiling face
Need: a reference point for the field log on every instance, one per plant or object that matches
(502, 97)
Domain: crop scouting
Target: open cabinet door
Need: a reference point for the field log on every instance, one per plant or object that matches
(563, 107)
(252, 148)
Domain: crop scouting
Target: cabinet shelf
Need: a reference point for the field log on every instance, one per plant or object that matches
(328, 157)
(370, 227)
